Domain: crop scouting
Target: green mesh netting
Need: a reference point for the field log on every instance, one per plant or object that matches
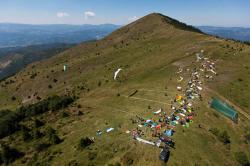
(224, 108)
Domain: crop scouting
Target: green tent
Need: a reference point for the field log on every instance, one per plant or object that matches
(224, 108)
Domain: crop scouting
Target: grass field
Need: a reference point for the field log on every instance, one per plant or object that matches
(149, 51)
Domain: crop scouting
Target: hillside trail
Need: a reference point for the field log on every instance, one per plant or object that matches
(144, 99)
(240, 110)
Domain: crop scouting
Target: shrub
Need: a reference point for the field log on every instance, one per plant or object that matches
(79, 113)
(9, 123)
(26, 135)
(50, 131)
(9, 155)
(13, 98)
(38, 123)
(79, 106)
(240, 79)
(57, 102)
(99, 83)
(84, 142)
(4, 112)
(224, 137)
(92, 155)
(41, 146)
(1, 161)
(73, 163)
(36, 134)
(52, 136)
(54, 139)
(214, 131)
(242, 159)
(33, 75)
(247, 137)
(117, 164)
(64, 114)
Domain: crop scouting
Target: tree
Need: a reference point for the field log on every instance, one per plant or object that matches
(50, 131)
(36, 134)
(54, 139)
(52, 136)
(9, 155)
(38, 123)
(26, 135)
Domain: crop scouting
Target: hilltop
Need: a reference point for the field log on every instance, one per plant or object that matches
(149, 51)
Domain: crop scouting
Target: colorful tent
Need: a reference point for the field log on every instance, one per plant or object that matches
(169, 133)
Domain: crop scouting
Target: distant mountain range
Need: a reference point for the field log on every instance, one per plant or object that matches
(236, 33)
(12, 35)
(13, 59)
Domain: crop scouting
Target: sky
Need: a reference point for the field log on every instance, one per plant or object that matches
(227, 13)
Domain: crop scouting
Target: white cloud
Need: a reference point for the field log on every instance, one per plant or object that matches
(62, 14)
(131, 19)
(89, 14)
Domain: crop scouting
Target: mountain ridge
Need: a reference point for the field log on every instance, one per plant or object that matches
(150, 52)
(12, 35)
(236, 33)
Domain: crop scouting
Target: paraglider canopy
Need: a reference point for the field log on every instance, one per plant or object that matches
(65, 67)
(116, 73)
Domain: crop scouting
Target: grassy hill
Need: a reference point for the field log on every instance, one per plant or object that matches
(149, 51)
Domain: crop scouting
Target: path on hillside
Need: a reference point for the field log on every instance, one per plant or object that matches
(139, 98)
(240, 110)
(150, 90)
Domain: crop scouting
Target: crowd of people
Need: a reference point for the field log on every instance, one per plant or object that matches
(182, 110)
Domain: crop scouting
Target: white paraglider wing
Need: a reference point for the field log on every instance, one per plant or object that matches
(116, 73)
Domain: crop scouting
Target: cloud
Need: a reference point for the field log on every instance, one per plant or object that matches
(62, 14)
(131, 19)
(89, 14)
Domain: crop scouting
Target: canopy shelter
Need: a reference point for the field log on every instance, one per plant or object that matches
(224, 108)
